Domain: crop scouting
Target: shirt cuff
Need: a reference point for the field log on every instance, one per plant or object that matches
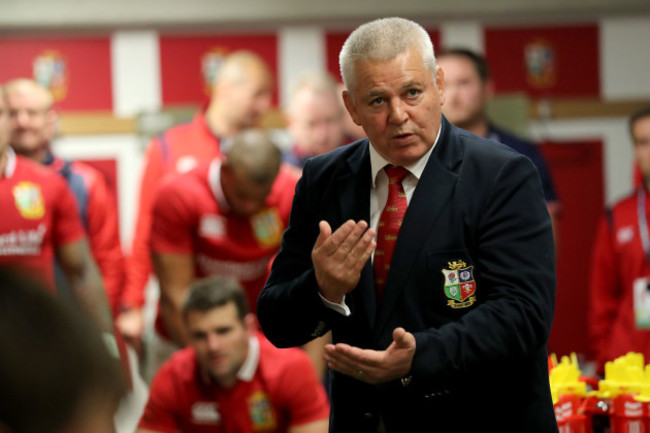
(339, 308)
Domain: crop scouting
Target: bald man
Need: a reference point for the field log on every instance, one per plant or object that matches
(223, 218)
(241, 94)
(314, 118)
(33, 126)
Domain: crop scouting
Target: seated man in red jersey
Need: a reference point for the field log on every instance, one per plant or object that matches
(39, 221)
(223, 218)
(232, 379)
(33, 127)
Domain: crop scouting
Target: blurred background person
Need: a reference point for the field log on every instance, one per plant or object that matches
(231, 378)
(351, 130)
(41, 222)
(619, 311)
(223, 218)
(56, 373)
(314, 118)
(468, 90)
(241, 94)
(33, 126)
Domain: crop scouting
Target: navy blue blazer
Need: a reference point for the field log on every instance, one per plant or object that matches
(472, 277)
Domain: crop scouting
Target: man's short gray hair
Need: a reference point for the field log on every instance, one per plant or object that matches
(384, 39)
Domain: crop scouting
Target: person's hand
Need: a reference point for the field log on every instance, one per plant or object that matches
(339, 257)
(374, 366)
(130, 324)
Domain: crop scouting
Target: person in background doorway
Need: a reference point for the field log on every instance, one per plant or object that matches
(468, 89)
(619, 284)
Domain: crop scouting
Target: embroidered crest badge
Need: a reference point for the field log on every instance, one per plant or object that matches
(261, 411)
(29, 200)
(267, 227)
(460, 285)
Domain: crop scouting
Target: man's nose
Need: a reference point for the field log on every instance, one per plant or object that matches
(214, 342)
(398, 114)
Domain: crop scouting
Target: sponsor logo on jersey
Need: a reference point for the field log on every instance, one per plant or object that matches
(22, 242)
(186, 163)
(267, 227)
(625, 234)
(212, 226)
(29, 200)
(205, 412)
(51, 71)
(261, 411)
(460, 285)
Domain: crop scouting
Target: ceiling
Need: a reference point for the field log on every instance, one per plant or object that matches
(49, 15)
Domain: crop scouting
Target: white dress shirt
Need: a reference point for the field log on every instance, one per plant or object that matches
(379, 196)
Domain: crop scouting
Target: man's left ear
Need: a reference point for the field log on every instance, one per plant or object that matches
(250, 321)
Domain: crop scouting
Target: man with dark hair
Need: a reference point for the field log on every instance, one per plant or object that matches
(223, 218)
(619, 312)
(231, 379)
(55, 371)
(468, 89)
(445, 327)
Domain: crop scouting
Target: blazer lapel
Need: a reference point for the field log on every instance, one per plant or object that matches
(432, 194)
(354, 201)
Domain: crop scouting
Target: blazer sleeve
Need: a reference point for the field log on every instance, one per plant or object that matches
(289, 309)
(513, 252)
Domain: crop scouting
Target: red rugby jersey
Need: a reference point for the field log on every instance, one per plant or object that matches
(39, 213)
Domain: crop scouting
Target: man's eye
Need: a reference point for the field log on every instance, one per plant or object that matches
(376, 101)
(414, 92)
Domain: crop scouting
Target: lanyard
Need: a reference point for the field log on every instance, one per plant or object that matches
(643, 223)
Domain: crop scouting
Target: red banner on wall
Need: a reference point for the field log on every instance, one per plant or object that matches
(188, 63)
(334, 42)
(545, 61)
(77, 71)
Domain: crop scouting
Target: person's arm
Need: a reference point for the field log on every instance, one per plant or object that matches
(175, 273)
(318, 426)
(316, 351)
(172, 251)
(85, 281)
(162, 412)
(138, 262)
(72, 251)
(604, 290)
(302, 396)
(104, 236)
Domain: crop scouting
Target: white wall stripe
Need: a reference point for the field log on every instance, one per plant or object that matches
(135, 63)
(301, 49)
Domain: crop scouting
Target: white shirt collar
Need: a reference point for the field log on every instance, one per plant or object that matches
(248, 369)
(214, 180)
(11, 162)
(378, 162)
